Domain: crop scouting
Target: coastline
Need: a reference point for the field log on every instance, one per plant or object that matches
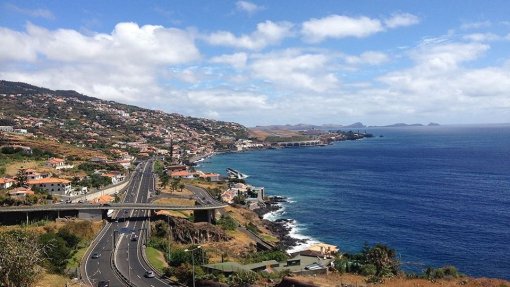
(286, 229)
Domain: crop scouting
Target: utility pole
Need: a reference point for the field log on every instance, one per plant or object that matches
(193, 260)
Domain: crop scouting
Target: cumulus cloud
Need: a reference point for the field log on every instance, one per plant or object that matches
(267, 33)
(336, 26)
(370, 58)
(339, 26)
(248, 7)
(295, 70)
(237, 60)
(121, 65)
(446, 56)
(401, 20)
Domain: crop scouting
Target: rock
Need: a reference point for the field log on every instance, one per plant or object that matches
(187, 232)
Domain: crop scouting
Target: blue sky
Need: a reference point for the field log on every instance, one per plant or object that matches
(271, 62)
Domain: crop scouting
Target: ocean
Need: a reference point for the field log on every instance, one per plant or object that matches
(437, 195)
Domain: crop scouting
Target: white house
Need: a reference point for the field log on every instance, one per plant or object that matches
(54, 186)
(6, 183)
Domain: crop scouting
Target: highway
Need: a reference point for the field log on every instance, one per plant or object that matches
(127, 256)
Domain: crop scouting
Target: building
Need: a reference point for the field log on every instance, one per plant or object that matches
(31, 174)
(115, 177)
(20, 193)
(181, 174)
(6, 183)
(58, 163)
(8, 129)
(212, 177)
(324, 249)
(54, 186)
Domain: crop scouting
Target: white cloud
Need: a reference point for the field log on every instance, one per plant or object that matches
(267, 33)
(336, 26)
(237, 60)
(339, 26)
(248, 7)
(370, 58)
(446, 56)
(295, 70)
(36, 13)
(122, 65)
(476, 25)
(401, 20)
(482, 37)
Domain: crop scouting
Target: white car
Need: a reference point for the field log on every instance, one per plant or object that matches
(149, 274)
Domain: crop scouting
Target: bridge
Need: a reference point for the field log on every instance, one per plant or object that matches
(114, 206)
(300, 143)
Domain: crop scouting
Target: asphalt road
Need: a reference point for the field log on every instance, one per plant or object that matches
(127, 254)
(128, 257)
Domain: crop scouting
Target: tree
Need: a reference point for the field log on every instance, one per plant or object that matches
(181, 186)
(383, 258)
(175, 184)
(20, 257)
(21, 177)
(57, 253)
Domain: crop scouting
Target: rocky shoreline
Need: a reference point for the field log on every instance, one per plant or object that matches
(281, 227)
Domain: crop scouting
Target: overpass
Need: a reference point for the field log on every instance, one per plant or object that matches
(114, 206)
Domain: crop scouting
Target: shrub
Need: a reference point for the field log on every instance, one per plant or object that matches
(226, 222)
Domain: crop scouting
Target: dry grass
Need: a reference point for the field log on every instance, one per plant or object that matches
(263, 134)
(52, 280)
(56, 148)
(176, 201)
(335, 279)
(12, 168)
(176, 213)
(245, 216)
(239, 245)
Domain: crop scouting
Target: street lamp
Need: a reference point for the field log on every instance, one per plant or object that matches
(193, 260)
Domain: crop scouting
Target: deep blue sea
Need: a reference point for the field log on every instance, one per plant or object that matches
(438, 195)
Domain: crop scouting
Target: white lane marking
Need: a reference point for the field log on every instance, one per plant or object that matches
(138, 276)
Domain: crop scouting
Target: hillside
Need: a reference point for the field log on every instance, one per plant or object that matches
(80, 120)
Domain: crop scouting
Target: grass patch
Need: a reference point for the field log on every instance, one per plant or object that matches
(156, 258)
(74, 262)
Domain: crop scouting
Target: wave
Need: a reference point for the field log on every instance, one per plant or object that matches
(296, 230)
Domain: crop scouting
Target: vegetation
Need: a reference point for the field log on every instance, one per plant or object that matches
(21, 257)
(226, 222)
(376, 262)
(277, 255)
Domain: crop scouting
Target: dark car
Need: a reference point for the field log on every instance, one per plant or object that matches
(96, 255)
(149, 274)
(103, 284)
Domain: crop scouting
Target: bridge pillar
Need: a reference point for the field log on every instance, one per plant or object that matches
(204, 215)
(96, 214)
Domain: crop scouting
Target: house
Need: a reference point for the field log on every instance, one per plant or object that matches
(20, 193)
(8, 129)
(31, 174)
(57, 163)
(212, 177)
(6, 183)
(324, 249)
(115, 177)
(181, 174)
(54, 186)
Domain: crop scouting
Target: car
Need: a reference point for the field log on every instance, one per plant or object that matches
(96, 255)
(149, 274)
(134, 237)
(103, 284)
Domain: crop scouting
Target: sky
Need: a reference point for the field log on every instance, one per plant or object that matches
(271, 62)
